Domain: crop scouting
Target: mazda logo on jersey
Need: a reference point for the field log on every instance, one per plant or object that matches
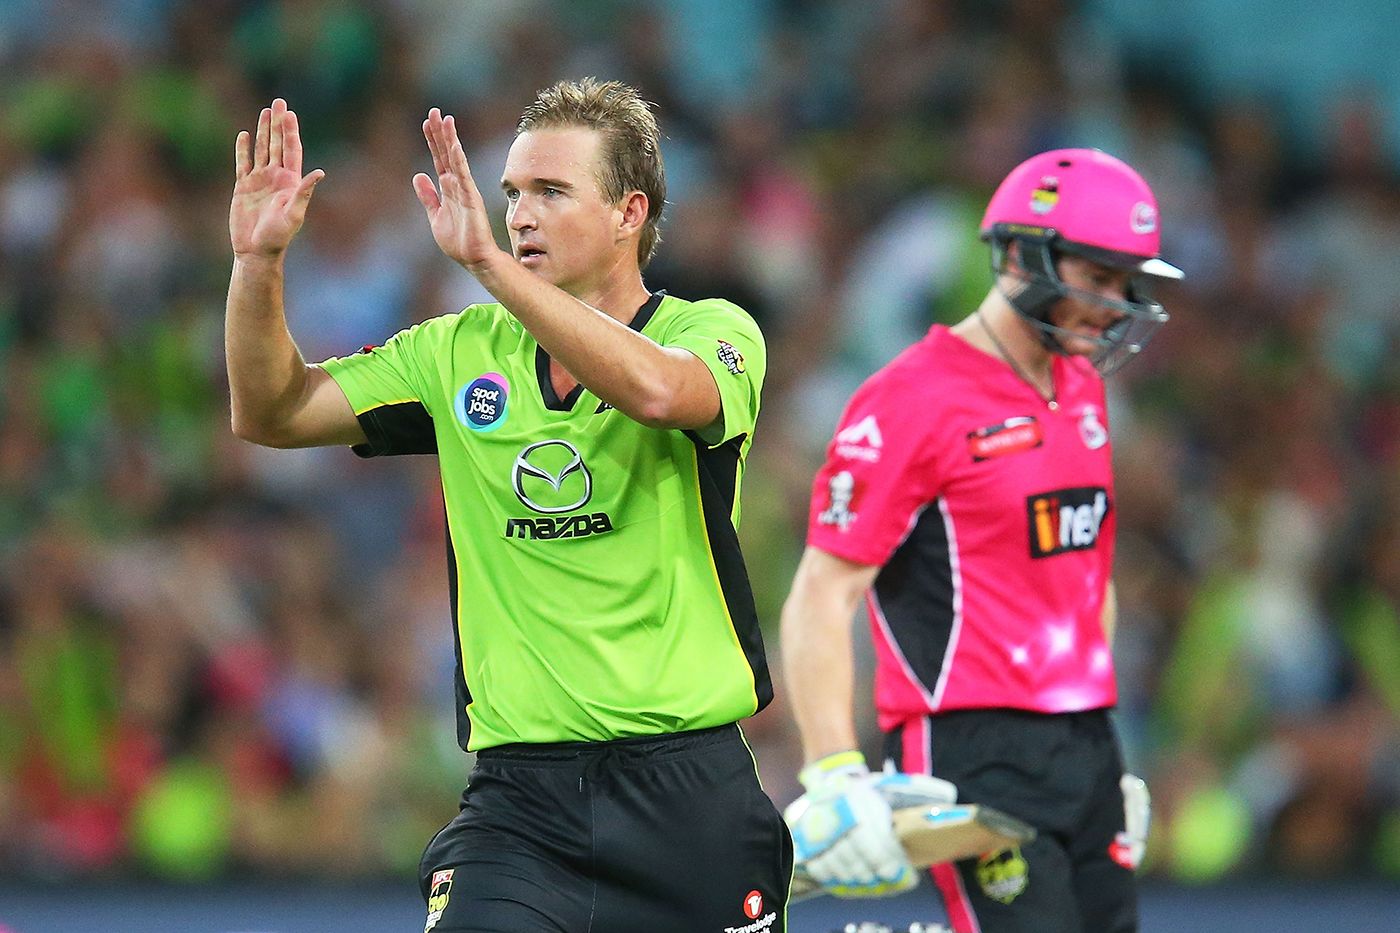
(1066, 519)
(551, 478)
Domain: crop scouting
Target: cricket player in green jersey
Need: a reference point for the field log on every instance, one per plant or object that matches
(591, 436)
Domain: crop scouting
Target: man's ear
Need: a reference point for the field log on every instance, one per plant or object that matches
(1013, 253)
(633, 208)
(1011, 260)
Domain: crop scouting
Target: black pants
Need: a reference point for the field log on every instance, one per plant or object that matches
(668, 833)
(1061, 774)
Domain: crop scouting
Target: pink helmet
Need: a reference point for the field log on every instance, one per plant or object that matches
(1087, 197)
(1086, 202)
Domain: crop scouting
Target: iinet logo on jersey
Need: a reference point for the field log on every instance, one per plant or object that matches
(861, 441)
(1066, 519)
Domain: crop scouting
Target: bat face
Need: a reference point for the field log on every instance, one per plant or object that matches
(938, 834)
(934, 835)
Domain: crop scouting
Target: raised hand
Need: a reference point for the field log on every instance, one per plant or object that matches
(270, 196)
(456, 211)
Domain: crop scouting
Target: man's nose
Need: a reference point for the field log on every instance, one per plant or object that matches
(521, 217)
(1111, 289)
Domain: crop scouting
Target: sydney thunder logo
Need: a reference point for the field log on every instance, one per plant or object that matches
(551, 478)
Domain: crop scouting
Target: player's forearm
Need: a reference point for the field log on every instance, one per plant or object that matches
(266, 372)
(631, 372)
(819, 669)
(1110, 613)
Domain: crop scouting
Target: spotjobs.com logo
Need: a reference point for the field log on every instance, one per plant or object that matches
(481, 403)
(551, 478)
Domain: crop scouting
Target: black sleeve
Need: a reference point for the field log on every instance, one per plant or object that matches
(403, 428)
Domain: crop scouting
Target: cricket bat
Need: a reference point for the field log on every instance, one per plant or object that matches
(942, 833)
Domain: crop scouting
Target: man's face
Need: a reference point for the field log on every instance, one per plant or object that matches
(561, 227)
(1080, 316)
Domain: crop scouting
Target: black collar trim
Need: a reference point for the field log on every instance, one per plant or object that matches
(552, 401)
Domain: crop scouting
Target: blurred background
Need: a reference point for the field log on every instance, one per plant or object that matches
(224, 665)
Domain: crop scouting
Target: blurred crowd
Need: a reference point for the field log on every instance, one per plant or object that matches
(221, 661)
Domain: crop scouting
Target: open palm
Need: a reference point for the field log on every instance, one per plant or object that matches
(270, 196)
(456, 211)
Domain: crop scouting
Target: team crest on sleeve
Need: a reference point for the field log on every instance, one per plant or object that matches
(732, 359)
(841, 490)
(438, 896)
(481, 403)
(1092, 430)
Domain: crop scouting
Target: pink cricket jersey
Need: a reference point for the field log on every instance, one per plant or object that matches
(992, 519)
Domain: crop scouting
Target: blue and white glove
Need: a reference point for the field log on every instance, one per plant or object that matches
(842, 828)
(902, 790)
(1129, 845)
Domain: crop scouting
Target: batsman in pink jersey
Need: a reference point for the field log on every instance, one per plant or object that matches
(967, 500)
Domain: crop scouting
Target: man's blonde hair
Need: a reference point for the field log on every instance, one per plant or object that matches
(630, 156)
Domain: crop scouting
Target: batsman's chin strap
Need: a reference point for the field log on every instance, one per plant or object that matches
(1039, 289)
(1139, 316)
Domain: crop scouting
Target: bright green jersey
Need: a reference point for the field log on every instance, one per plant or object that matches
(597, 585)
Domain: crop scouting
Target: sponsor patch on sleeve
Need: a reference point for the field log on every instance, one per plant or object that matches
(841, 489)
(1012, 436)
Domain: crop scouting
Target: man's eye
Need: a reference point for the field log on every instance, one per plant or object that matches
(551, 192)
(512, 194)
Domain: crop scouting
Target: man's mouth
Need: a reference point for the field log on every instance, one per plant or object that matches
(524, 253)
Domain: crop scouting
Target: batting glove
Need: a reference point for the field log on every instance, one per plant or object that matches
(902, 790)
(843, 833)
(1129, 845)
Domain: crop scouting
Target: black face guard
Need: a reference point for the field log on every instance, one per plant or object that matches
(1139, 317)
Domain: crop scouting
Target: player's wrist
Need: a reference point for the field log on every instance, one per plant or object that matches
(258, 261)
(489, 267)
(838, 767)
